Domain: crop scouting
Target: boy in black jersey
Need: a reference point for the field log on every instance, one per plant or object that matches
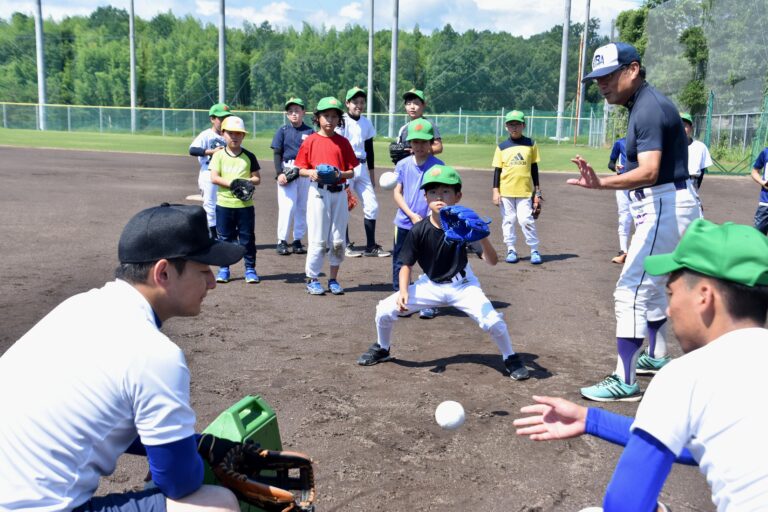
(448, 279)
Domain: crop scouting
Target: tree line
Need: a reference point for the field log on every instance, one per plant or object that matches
(87, 63)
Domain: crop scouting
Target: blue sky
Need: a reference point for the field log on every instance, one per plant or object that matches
(519, 17)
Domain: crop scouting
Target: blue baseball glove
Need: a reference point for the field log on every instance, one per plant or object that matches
(462, 224)
(328, 174)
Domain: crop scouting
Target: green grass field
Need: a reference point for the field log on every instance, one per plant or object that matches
(475, 156)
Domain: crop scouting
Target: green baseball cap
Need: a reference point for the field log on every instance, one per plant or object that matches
(328, 103)
(685, 116)
(731, 252)
(420, 129)
(219, 110)
(355, 91)
(514, 115)
(441, 174)
(414, 93)
(295, 101)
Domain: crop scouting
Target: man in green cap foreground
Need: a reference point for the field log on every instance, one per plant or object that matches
(693, 412)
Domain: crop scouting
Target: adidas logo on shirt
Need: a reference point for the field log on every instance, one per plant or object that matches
(518, 159)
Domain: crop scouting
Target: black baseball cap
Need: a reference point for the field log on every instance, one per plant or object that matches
(174, 231)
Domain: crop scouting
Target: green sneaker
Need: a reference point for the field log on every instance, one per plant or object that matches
(612, 389)
(647, 365)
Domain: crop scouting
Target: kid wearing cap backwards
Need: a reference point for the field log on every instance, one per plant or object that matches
(327, 213)
(448, 279)
(414, 107)
(516, 187)
(235, 218)
(291, 197)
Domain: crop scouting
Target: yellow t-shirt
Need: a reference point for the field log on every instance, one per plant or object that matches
(515, 158)
(231, 167)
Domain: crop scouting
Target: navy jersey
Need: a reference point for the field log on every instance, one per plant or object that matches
(655, 125)
(761, 164)
(619, 154)
(288, 139)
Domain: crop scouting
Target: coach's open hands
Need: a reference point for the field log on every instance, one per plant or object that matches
(588, 178)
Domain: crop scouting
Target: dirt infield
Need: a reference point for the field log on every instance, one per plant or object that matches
(371, 430)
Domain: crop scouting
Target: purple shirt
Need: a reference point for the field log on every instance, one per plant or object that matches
(409, 175)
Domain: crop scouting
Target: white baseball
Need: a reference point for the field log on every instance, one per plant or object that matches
(449, 415)
(388, 180)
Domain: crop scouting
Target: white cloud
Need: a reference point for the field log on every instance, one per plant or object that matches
(207, 7)
(352, 12)
(276, 13)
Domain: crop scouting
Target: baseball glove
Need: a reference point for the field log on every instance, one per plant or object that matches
(291, 173)
(275, 481)
(398, 151)
(242, 189)
(461, 224)
(536, 205)
(351, 200)
(328, 174)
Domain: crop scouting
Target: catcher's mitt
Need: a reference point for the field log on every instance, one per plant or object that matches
(398, 151)
(243, 468)
(242, 189)
(351, 200)
(461, 224)
(328, 174)
(291, 173)
(536, 205)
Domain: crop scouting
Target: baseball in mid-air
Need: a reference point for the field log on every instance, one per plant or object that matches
(388, 180)
(449, 415)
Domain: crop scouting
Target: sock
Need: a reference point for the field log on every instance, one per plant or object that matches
(500, 336)
(370, 233)
(213, 232)
(657, 338)
(384, 334)
(346, 236)
(629, 350)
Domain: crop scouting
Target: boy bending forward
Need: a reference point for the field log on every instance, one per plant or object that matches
(447, 280)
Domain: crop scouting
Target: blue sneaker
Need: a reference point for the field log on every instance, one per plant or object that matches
(251, 276)
(535, 258)
(223, 275)
(315, 288)
(612, 389)
(512, 256)
(335, 288)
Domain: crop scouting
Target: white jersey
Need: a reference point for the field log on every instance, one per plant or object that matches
(698, 158)
(357, 131)
(77, 390)
(720, 420)
(207, 139)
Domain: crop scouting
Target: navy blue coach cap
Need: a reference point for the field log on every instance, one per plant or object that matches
(174, 231)
(611, 57)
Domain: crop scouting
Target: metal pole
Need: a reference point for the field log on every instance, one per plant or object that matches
(101, 121)
(582, 87)
(459, 119)
(253, 114)
(466, 130)
(730, 138)
(5, 118)
(69, 118)
(744, 140)
(39, 42)
(393, 70)
(563, 70)
(163, 116)
(370, 62)
(132, 39)
(222, 54)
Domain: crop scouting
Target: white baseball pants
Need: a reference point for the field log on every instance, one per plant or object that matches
(292, 206)
(208, 191)
(625, 218)
(520, 210)
(327, 217)
(661, 215)
(363, 188)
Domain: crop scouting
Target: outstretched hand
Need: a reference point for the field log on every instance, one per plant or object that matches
(551, 418)
(588, 178)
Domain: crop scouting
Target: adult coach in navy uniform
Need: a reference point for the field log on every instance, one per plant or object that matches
(663, 203)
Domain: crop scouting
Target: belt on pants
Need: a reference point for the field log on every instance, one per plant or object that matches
(461, 274)
(362, 160)
(640, 193)
(333, 188)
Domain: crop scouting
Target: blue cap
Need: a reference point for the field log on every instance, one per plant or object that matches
(611, 57)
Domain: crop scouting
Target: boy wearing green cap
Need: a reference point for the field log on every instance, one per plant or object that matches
(698, 154)
(291, 197)
(327, 213)
(691, 413)
(516, 189)
(415, 103)
(208, 142)
(447, 280)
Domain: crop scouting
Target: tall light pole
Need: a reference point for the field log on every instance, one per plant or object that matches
(222, 54)
(132, 40)
(370, 61)
(563, 71)
(393, 70)
(583, 87)
(40, 66)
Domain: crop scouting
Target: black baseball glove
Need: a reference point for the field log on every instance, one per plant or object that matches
(398, 151)
(242, 189)
(291, 173)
